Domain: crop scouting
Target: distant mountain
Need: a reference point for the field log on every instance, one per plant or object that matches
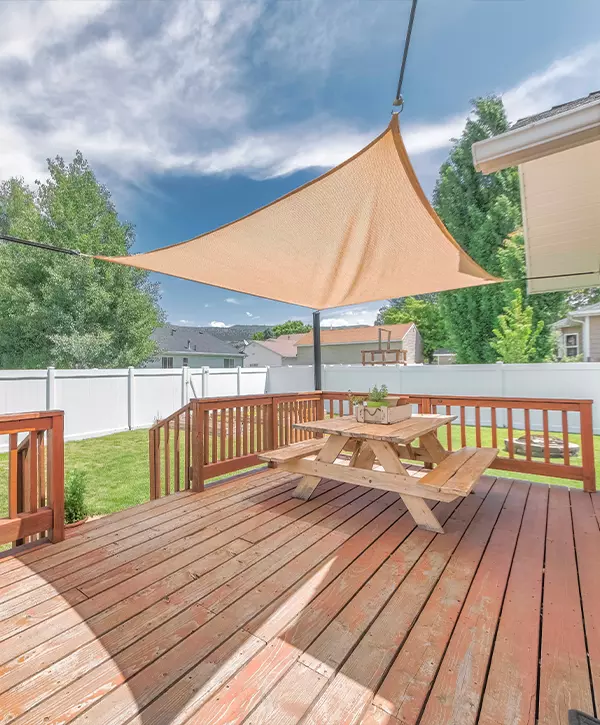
(235, 333)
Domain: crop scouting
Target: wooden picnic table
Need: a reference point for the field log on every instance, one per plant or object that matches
(455, 473)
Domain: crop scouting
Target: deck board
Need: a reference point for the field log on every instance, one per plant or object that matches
(242, 603)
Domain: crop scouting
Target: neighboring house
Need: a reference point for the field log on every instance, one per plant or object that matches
(274, 353)
(579, 334)
(191, 346)
(344, 344)
(443, 356)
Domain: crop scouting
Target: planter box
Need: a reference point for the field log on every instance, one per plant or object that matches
(383, 414)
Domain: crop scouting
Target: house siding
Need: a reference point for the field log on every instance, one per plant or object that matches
(350, 353)
(594, 338)
(260, 356)
(197, 361)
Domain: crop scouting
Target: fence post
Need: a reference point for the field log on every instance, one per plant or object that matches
(205, 374)
(587, 447)
(130, 398)
(198, 447)
(185, 375)
(239, 380)
(50, 388)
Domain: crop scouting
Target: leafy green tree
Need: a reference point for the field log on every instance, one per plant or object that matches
(291, 327)
(264, 335)
(64, 310)
(427, 317)
(516, 333)
(482, 212)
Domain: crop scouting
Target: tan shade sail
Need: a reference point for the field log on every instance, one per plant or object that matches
(362, 232)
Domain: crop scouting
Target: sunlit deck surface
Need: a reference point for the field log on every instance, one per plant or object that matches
(243, 603)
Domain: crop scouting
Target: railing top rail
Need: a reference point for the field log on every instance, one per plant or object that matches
(34, 415)
(169, 418)
(479, 398)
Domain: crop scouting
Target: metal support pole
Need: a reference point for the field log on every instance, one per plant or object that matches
(317, 349)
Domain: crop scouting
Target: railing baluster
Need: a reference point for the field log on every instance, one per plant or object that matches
(186, 454)
(527, 434)
(448, 430)
(253, 429)
(206, 422)
(565, 435)
(222, 434)
(511, 444)
(238, 432)
(478, 427)
(167, 459)
(230, 433)
(259, 428)
(215, 436)
(176, 456)
(546, 436)
(494, 427)
(245, 429)
(463, 430)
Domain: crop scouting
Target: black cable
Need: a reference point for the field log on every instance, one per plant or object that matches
(39, 245)
(399, 101)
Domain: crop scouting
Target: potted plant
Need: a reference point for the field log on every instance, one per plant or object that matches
(381, 407)
(76, 510)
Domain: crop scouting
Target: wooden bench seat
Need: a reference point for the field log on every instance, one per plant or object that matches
(459, 472)
(293, 451)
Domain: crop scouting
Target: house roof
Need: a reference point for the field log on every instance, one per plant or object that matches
(285, 345)
(555, 110)
(347, 335)
(567, 322)
(173, 338)
(587, 309)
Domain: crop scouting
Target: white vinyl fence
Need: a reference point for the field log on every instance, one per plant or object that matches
(99, 402)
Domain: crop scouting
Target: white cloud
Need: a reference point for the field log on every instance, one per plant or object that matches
(232, 301)
(217, 323)
(249, 314)
(185, 322)
(207, 305)
(146, 88)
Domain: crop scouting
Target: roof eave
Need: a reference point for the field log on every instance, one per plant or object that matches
(547, 136)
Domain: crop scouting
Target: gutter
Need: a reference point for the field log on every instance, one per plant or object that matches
(563, 131)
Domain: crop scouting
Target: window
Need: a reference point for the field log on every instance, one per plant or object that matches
(186, 361)
(167, 362)
(572, 344)
(228, 362)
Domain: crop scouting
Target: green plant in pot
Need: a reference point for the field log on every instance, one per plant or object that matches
(76, 510)
(377, 397)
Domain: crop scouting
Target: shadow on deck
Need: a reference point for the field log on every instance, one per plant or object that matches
(243, 603)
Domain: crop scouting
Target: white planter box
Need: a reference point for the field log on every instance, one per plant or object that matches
(383, 414)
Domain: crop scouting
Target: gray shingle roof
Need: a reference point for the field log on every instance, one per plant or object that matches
(555, 110)
(173, 338)
(587, 308)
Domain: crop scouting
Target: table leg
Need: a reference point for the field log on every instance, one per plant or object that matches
(432, 445)
(416, 505)
(330, 451)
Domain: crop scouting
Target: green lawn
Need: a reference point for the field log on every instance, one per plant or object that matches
(117, 467)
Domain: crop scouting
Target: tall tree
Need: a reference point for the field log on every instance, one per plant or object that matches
(291, 327)
(516, 334)
(70, 311)
(481, 212)
(427, 317)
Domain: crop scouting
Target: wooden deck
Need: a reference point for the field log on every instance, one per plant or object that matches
(245, 604)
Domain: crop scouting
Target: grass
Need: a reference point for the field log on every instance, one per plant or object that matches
(118, 477)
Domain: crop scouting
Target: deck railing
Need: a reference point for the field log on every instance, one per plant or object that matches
(35, 477)
(215, 436)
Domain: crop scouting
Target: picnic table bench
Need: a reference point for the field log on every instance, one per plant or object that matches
(455, 474)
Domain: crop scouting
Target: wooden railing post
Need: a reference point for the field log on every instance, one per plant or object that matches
(152, 462)
(56, 476)
(198, 446)
(586, 425)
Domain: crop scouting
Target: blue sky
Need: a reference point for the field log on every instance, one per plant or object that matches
(195, 113)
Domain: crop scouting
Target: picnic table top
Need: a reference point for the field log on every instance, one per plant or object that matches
(403, 433)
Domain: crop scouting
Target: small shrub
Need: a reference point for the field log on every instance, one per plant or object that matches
(378, 395)
(75, 505)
